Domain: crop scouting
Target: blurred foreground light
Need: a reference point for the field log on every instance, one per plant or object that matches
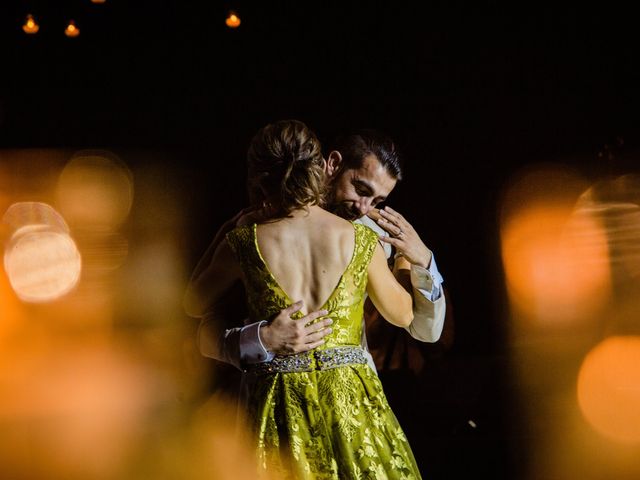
(41, 260)
(215, 444)
(98, 1)
(609, 388)
(555, 266)
(232, 20)
(71, 30)
(78, 407)
(30, 26)
(556, 259)
(616, 202)
(95, 190)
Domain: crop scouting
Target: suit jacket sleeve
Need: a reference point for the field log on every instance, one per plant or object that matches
(429, 305)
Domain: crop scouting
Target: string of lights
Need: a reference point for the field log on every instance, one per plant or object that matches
(32, 27)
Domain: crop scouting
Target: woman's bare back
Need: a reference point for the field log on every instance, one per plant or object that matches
(307, 254)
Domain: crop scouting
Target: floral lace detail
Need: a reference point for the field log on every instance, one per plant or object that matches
(323, 424)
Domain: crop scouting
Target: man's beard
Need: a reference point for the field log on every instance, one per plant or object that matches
(348, 212)
(342, 209)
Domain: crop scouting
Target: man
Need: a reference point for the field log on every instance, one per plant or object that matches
(362, 170)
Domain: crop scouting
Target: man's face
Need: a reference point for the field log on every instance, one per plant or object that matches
(355, 192)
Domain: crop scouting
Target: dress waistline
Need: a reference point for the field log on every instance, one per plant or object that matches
(310, 361)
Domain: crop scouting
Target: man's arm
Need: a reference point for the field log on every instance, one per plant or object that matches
(196, 298)
(260, 341)
(428, 313)
(222, 331)
(419, 266)
(222, 334)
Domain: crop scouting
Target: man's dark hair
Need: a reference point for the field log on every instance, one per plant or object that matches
(357, 145)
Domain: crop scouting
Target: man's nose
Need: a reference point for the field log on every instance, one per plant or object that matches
(364, 205)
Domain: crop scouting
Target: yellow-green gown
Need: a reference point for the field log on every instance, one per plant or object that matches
(323, 424)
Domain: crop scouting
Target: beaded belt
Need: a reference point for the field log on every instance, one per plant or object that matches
(309, 361)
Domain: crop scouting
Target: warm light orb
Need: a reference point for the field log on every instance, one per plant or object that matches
(555, 263)
(95, 190)
(41, 260)
(616, 202)
(71, 30)
(98, 1)
(28, 214)
(555, 257)
(42, 265)
(30, 26)
(232, 20)
(609, 388)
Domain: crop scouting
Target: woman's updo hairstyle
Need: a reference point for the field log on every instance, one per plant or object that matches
(286, 167)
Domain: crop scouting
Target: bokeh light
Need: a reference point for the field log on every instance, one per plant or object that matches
(33, 214)
(609, 388)
(556, 259)
(93, 385)
(570, 252)
(88, 399)
(95, 190)
(41, 260)
(616, 203)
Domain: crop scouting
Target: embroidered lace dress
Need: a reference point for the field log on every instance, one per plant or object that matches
(325, 423)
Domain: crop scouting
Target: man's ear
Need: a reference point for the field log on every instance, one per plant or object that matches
(333, 163)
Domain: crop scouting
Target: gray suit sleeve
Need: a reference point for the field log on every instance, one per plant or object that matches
(237, 346)
(429, 305)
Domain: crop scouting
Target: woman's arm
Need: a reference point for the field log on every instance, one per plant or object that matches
(389, 297)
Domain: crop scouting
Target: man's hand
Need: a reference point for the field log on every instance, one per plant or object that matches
(286, 336)
(402, 236)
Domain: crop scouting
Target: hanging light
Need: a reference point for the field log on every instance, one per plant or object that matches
(232, 20)
(30, 26)
(71, 30)
(98, 1)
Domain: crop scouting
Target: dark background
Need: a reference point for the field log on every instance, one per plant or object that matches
(472, 94)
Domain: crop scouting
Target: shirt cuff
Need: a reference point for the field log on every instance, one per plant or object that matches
(427, 280)
(252, 349)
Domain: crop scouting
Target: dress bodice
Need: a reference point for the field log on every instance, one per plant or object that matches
(266, 298)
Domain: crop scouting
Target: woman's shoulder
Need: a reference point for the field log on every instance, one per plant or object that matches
(365, 230)
(335, 226)
(240, 236)
(339, 225)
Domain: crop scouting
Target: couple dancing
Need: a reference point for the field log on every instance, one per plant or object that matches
(313, 399)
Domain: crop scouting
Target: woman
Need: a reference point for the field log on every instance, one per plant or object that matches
(320, 414)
